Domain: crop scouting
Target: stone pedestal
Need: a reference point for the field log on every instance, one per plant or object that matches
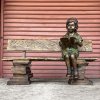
(21, 72)
(82, 80)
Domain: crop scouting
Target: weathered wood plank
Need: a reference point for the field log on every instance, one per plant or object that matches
(43, 45)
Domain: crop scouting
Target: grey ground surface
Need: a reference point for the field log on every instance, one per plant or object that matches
(50, 90)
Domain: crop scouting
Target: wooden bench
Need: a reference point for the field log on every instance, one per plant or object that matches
(21, 66)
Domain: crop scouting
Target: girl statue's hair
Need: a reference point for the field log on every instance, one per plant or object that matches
(72, 20)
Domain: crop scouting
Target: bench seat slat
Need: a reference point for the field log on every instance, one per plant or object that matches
(46, 59)
(79, 61)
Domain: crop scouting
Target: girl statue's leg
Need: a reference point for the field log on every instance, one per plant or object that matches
(74, 63)
(67, 62)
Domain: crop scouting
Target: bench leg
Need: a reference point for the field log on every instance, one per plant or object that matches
(82, 80)
(21, 73)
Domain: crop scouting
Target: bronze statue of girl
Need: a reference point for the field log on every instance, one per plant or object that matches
(69, 44)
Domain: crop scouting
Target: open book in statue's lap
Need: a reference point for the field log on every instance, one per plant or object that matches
(68, 41)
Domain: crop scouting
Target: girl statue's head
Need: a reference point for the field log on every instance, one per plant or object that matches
(72, 24)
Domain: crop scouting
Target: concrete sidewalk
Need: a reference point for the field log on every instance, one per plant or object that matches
(49, 91)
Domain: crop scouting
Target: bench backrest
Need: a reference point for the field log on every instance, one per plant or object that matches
(43, 45)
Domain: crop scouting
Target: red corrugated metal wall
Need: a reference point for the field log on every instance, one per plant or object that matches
(0, 38)
(36, 19)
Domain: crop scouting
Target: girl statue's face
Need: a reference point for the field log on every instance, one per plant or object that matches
(71, 27)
